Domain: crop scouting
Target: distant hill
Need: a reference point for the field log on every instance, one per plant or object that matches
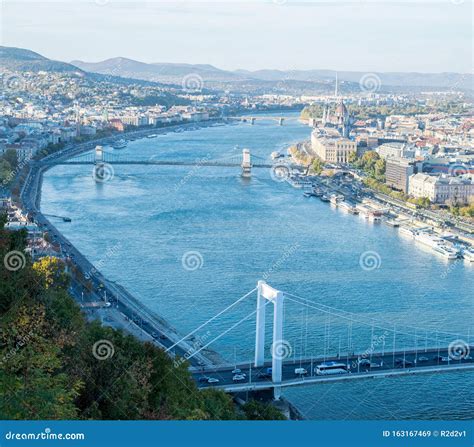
(20, 59)
(126, 70)
(395, 79)
(173, 72)
(158, 72)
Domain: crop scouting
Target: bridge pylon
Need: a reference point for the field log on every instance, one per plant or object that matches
(246, 163)
(267, 293)
(99, 165)
(280, 121)
(99, 155)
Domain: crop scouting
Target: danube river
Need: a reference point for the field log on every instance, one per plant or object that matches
(189, 241)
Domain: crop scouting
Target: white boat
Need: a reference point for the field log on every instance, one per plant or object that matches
(428, 239)
(363, 209)
(295, 183)
(119, 144)
(408, 231)
(374, 217)
(392, 223)
(276, 155)
(153, 135)
(348, 207)
(445, 251)
(438, 245)
(335, 199)
(468, 254)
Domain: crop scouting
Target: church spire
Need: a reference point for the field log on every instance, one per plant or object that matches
(336, 87)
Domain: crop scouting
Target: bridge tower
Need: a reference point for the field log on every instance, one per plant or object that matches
(252, 120)
(280, 121)
(99, 155)
(246, 163)
(267, 293)
(99, 172)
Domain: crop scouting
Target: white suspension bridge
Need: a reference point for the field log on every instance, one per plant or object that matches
(391, 350)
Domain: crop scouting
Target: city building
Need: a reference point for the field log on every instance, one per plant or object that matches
(398, 172)
(339, 119)
(442, 189)
(332, 149)
(400, 150)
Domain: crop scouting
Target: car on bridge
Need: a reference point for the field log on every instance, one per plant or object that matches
(212, 380)
(300, 371)
(239, 377)
(422, 359)
(403, 363)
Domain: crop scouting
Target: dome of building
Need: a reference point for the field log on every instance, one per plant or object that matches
(341, 109)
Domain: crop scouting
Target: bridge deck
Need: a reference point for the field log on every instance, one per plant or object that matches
(384, 364)
(158, 163)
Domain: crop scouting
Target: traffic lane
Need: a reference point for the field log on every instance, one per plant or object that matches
(98, 280)
(288, 370)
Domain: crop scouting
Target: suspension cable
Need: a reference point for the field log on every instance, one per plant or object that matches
(339, 313)
(213, 318)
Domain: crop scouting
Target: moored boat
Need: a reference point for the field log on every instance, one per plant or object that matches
(468, 254)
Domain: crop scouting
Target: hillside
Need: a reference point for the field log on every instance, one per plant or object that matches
(158, 72)
(19, 59)
(174, 72)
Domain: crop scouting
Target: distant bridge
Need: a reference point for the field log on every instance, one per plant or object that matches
(100, 157)
(251, 119)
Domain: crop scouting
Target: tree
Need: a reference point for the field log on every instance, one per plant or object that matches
(317, 166)
(379, 170)
(51, 271)
(5, 172)
(353, 157)
(11, 157)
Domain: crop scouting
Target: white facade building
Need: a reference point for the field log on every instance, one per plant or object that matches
(332, 149)
(441, 189)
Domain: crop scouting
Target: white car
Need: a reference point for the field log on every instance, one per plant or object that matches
(238, 377)
(237, 371)
(300, 371)
(212, 380)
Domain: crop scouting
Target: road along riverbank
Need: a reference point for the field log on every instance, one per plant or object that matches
(107, 294)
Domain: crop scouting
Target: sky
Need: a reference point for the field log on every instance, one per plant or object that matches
(357, 35)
